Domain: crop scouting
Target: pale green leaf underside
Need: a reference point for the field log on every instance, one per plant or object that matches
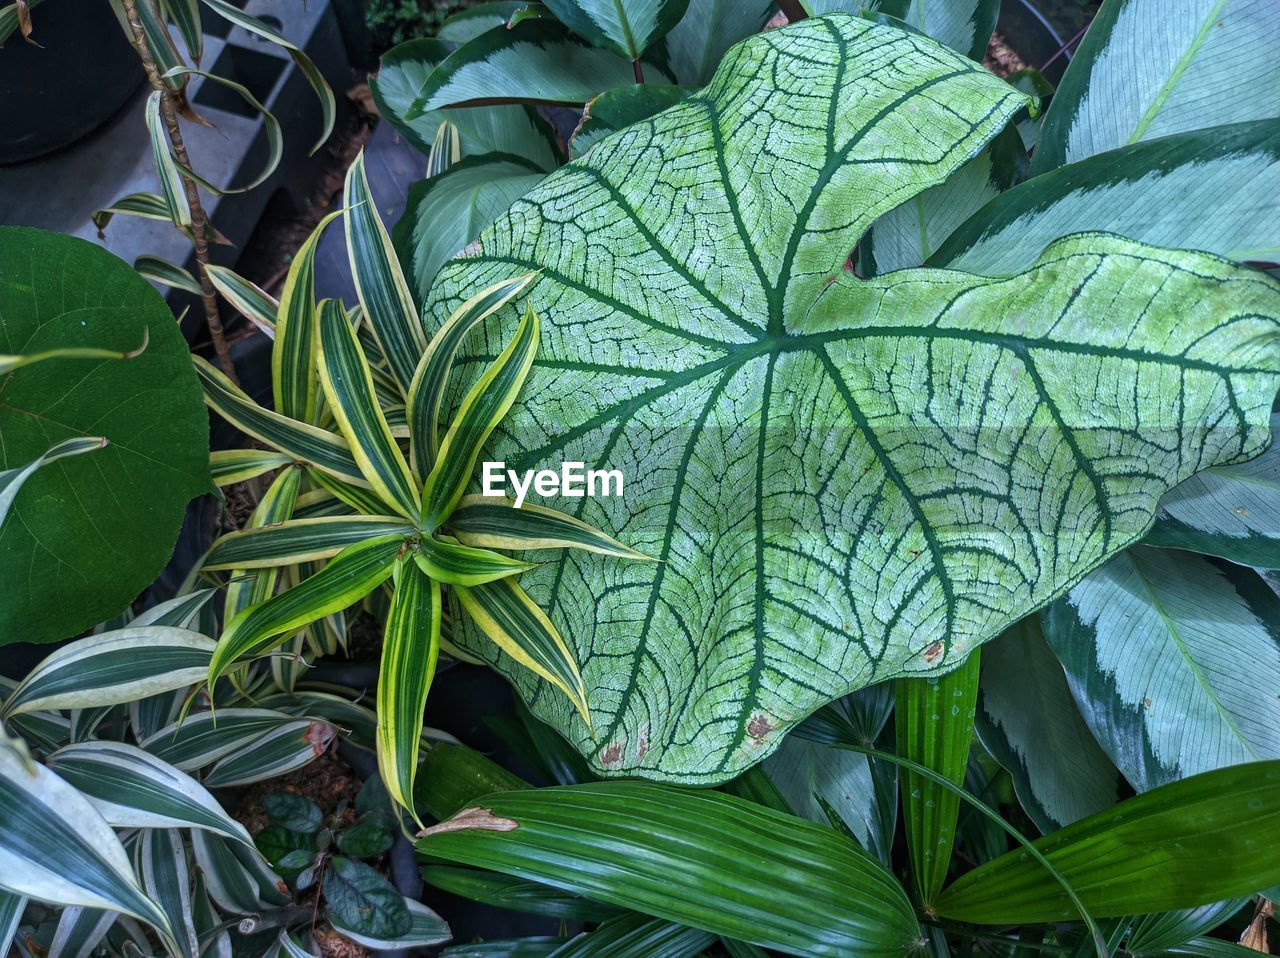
(845, 480)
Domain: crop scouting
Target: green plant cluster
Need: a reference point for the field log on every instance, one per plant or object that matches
(940, 614)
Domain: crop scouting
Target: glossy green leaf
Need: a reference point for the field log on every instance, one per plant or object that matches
(162, 859)
(279, 752)
(477, 18)
(493, 523)
(1200, 840)
(1214, 190)
(252, 303)
(451, 563)
(1029, 722)
(75, 548)
(512, 129)
(299, 440)
(366, 839)
(832, 503)
(56, 848)
(1155, 934)
(111, 668)
(481, 410)
(707, 30)
(515, 894)
(12, 480)
(168, 274)
(517, 626)
(816, 779)
(934, 718)
(1231, 511)
(348, 386)
(1175, 662)
(538, 946)
(384, 294)
(364, 901)
(202, 738)
(425, 928)
(293, 356)
(410, 646)
(696, 857)
(615, 109)
(454, 775)
(627, 29)
(636, 935)
(131, 788)
(1150, 68)
(445, 213)
(536, 61)
(292, 811)
(299, 540)
(348, 577)
(963, 25)
(245, 587)
(328, 105)
(230, 466)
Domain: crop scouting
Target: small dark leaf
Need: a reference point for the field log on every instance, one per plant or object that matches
(373, 803)
(365, 840)
(293, 812)
(306, 878)
(294, 860)
(324, 838)
(276, 842)
(365, 901)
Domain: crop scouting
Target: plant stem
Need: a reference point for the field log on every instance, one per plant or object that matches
(638, 70)
(201, 229)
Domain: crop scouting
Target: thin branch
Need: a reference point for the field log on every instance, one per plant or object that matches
(201, 229)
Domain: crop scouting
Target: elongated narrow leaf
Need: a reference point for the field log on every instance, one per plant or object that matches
(185, 15)
(536, 61)
(515, 894)
(247, 588)
(235, 877)
(151, 206)
(162, 857)
(230, 466)
(1216, 190)
(494, 523)
(1203, 839)
(445, 213)
(1231, 511)
(453, 776)
(426, 393)
(56, 848)
(168, 274)
(456, 564)
(627, 29)
(11, 908)
(112, 668)
(482, 409)
(155, 32)
(1148, 68)
(700, 858)
(637, 935)
(171, 188)
(11, 480)
(426, 928)
(322, 449)
(279, 752)
(79, 931)
(11, 361)
(832, 504)
(328, 105)
(131, 788)
(293, 357)
(515, 624)
(349, 576)
(250, 300)
(410, 645)
(934, 719)
(1153, 644)
(299, 540)
(1029, 722)
(348, 386)
(708, 29)
(1160, 933)
(204, 737)
(384, 294)
(357, 499)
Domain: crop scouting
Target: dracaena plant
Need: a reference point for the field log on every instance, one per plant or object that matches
(391, 504)
(114, 831)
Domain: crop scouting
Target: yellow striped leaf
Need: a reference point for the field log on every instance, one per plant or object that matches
(229, 466)
(455, 564)
(293, 358)
(251, 302)
(249, 588)
(348, 386)
(298, 540)
(489, 522)
(410, 646)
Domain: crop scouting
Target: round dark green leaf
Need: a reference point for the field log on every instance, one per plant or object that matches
(364, 901)
(88, 533)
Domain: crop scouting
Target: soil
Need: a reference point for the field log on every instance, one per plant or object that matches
(328, 781)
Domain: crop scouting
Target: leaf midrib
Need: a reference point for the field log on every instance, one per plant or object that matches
(1183, 64)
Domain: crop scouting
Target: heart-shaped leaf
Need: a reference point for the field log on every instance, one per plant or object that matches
(844, 480)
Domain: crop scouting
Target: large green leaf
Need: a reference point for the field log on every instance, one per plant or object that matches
(1194, 842)
(709, 28)
(1231, 511)
(627, 29)
(700, 858)
(1216, 190)
(1029, 722)
(963, 25)
(845, 480)
(87, 533)
(1175, 661)
(1149, 68)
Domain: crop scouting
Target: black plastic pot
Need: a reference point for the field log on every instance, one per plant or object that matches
(52, 95)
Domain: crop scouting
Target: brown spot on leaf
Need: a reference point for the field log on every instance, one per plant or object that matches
(1146, 702)
(759, 727)
(470, 819)
(642, 744)
(319, 736)
(933, 653)
(611, 755)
